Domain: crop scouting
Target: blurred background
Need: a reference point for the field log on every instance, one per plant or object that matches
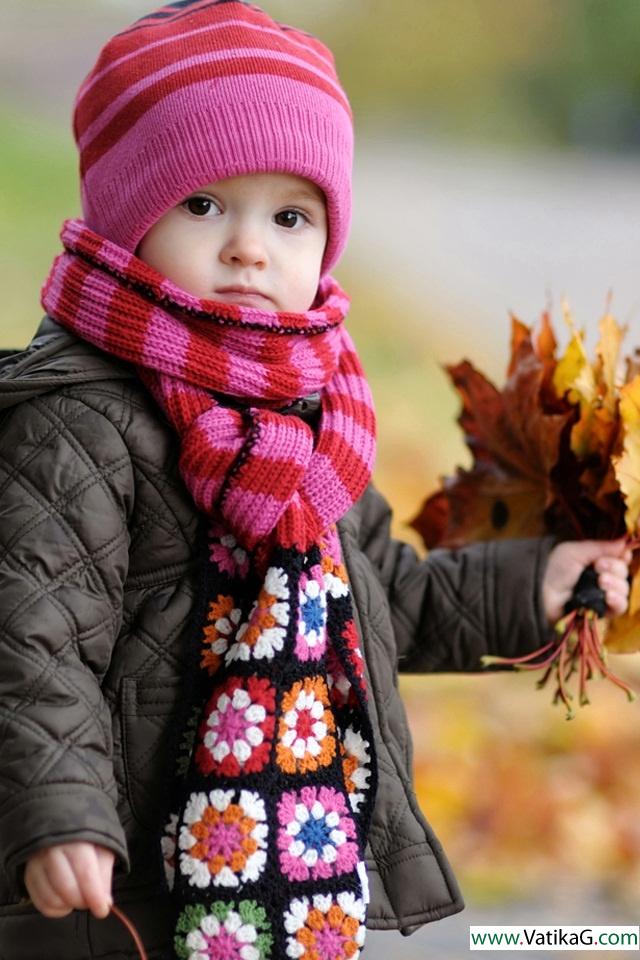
(497, 169)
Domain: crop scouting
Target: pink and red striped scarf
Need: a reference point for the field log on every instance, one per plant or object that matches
(263, 473)
(273, 798)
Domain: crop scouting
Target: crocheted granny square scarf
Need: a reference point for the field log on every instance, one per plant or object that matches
(275, 768)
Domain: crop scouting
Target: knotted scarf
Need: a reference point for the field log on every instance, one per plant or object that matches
(275, 769)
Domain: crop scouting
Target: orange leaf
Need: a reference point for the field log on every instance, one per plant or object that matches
(520, 337)
(515, 444)
(545, 342)
(509, 428)
(481, 504)
(534, 434)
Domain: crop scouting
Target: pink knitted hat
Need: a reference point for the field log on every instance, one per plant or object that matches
(200, 90)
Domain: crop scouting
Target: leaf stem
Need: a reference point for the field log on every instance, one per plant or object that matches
(578, 649)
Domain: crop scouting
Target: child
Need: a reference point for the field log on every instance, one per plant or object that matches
(203, 612)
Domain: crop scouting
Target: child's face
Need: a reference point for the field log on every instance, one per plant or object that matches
(256, 240)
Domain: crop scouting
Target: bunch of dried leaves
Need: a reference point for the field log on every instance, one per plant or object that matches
(557, 451)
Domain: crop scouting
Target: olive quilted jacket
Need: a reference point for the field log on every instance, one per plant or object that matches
(97, 585)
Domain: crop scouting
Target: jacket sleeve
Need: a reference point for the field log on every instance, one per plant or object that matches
(65, 497)
(454, 606)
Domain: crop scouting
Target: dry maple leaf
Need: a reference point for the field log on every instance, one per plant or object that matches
(514, 440)
(557, 450)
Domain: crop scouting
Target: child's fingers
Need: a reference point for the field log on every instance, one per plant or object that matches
(62, 878)
(612, 565)
(613, 578)
(607, 581)
(43, 896)
(84, 863)
(616, 590)
(567, 560)
(71, 876)
(616, 602)
(106, 859)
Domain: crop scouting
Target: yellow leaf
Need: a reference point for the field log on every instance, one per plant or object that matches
(634, 595)
(608, 353)
(623, 633)
(592, 387)
(630, 403)
(594, 433)
(627, 465)
(574, 374)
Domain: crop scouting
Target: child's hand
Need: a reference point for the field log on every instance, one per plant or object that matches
(70, 876)
(611, 559)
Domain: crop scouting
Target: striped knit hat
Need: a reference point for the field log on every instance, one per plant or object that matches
(200, 90)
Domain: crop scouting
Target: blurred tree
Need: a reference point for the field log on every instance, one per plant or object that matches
(527, 72)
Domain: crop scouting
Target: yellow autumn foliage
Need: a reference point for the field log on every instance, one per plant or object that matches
(627, 465)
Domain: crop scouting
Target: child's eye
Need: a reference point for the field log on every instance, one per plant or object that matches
(290, 219)
(200, 206)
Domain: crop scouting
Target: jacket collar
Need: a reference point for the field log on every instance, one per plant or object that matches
(56, 358)
(52, 360)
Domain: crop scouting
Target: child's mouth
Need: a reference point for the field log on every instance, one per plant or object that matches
(245, 296)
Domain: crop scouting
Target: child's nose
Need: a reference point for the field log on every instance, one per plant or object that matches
(244, 247)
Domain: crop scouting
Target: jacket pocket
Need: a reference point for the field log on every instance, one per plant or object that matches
(149, 711)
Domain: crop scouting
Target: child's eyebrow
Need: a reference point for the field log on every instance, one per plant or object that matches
(304, 195)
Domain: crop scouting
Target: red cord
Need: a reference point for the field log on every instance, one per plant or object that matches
(132, 930)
